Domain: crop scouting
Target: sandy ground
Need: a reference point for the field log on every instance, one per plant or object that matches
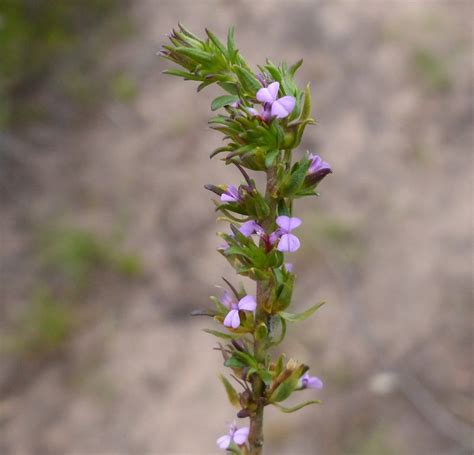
(388, 244)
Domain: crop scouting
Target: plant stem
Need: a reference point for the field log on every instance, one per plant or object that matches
(263, 292)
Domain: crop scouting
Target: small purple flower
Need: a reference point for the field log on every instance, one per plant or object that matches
(268, 94)
(237, 435)
(317, 164)
(289, 267)
(250, 227)
(246, 303)
(310, 382)
(318, 169)
(288, 242)
(231, 194)
(273, 106)
(263, 112)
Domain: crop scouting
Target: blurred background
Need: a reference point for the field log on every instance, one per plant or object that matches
(108, 237)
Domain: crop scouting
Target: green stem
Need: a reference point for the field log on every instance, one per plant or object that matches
(263, 292)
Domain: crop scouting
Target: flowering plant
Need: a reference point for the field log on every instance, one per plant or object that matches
(263, 118)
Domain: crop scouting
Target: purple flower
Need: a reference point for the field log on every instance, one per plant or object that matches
(318, 169)
(231, 194)
(310, 382)
(246, 303)
(250, 227)
(263, 113)
(273, 106)
(268, 94)
(289, 267)
(317, 164)
(288, 242)
(237, 435)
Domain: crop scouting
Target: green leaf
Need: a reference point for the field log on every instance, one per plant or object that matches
(261, 206)
(270, 158)
(273, 70)
(297, 178)
(231, 45)
(266, 377)
(232, 394)
(223, 100)
(261, 331)
(195, 54)
(294, 68)
(204, 84)
(219, 150)
(232, 362)
(229, 87)
(236, 251)
(306, 111)
(282, 323)
(297, 407)
(247, 79)
(203, 312)
(188, 33)
(184, 74)
(284, 293)
(217, 42)
(225, 336)
(279, 366)
(283, 391)
(246, 358)
(286, 388)
(291, 317)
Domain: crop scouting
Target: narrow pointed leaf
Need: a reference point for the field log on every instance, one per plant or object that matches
(223, 100)
(224, 336)
(297, 407)
(184, 74)
(203, 312)
(232, 394)
(291, 317)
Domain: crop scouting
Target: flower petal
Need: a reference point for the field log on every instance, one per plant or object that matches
(231, 194)
(233, 191)
(223, 442)
(235, 319)
(252, 111)
(229, 319)
(289, 243)
(248, 228)
(241, 435)
(283, 106)
(274, 236)
(317, 164)
(273, 89)
(314, 382)
(268, 94)
(227, 300)
(248, 303)
(287, 224)
(225, 197)
(284, 222)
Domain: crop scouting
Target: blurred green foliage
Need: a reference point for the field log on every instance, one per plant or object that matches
(123, 87)
(77, 254)
(34, 35)
(45, 326)
(74, 256)
(432, 70)
(373, 443)
(342, 237)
